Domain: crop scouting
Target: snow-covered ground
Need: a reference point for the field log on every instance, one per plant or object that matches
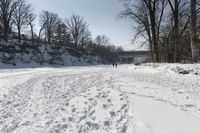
(151, 98)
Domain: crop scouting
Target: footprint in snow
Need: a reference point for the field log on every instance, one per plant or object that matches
(104, 96)
(105, 106)
(107, 123)
(91, 99)
(112, 114)
(92, 112)
(109, 100)
(73, 110)
(190, 105)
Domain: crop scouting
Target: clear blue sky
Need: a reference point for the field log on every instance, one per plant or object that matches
(101, 15)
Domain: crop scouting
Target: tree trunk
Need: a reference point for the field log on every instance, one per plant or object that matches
(153, 30)
(176, 29)
(42, 57)
(19, 34)
(6, 31)
(193, 28)
(151, 48)
(5, 35)
(32, 34)
(175, 11)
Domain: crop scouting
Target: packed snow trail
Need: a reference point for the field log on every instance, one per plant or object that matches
(62, 102)
(100, 99)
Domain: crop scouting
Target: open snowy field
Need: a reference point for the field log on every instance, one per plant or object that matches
(151, 98)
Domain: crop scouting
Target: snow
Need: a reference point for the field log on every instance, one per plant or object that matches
(157, 117)
(151, 98)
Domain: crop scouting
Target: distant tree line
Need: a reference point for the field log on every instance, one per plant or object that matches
(171, 28)
(55, 39)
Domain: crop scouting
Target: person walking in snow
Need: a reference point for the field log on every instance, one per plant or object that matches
(113, 64)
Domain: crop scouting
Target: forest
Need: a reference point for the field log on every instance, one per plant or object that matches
(170, 28)
(57, 38)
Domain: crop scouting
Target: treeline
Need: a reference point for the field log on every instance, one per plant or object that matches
(171, 28)
(55, 39)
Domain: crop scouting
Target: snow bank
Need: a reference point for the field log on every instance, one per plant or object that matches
(167, 83)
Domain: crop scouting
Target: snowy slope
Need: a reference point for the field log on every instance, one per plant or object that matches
(152, 98)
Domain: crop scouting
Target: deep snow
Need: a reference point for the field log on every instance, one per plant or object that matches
(151, 98)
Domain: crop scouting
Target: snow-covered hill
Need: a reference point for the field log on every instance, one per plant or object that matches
(151, 98)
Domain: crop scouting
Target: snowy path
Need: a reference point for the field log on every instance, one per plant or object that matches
(61, 102)
(153, 116)
(97, 99)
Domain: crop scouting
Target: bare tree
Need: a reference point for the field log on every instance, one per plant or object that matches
(102, 40)
(78, 30)
(49, 22)
(151, 6)
(7, 9)
(175, 12)
(147, 15)
(151, 19)
(30, 21)
(137, 14)
(178, 7)
(20, 16)
(62, 37)
(193, 28)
